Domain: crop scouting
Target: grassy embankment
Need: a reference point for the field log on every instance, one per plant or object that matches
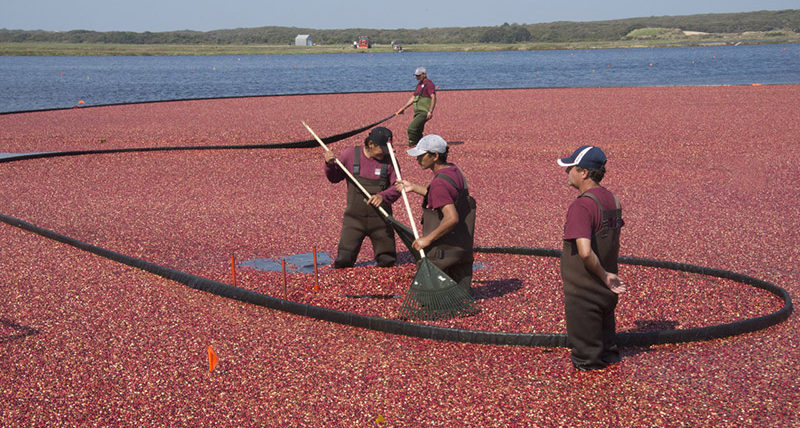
(642, 38)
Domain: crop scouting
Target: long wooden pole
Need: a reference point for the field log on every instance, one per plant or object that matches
(405, 197)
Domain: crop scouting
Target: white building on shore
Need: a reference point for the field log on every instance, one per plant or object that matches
(303, 40)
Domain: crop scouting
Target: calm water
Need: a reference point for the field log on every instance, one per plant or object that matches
(31, 83)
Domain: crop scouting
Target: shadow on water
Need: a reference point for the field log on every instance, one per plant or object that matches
(20, 330)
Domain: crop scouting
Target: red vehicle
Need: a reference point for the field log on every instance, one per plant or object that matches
(364, 43)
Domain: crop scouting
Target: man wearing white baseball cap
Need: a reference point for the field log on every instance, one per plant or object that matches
(424, 100)
(589, 261)
(448, 211)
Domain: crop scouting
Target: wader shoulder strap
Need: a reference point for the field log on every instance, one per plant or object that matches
(447, 179)
(356, 161)
(597, 201)
(465, 203)
(464, 180)
(605, 241)
(357, 165)
(594, 198)
(450, 180)
(611, 218)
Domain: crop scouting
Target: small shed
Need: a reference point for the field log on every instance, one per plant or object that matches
(303, 40)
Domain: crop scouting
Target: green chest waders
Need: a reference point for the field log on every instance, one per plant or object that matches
(362, 220)
(421, 107)
(588, 304)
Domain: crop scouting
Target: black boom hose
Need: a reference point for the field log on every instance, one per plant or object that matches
(408, 328)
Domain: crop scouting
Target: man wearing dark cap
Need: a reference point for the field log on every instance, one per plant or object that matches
(589, 262)
(372, 168)
(424, 101)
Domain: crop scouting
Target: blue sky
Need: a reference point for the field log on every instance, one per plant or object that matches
(204, 15)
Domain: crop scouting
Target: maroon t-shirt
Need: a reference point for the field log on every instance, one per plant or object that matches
(425, 88)
(441, 192)
(584, 216)
(370, 168)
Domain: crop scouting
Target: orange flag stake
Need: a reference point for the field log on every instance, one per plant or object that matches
(212, 359)
(233, 269)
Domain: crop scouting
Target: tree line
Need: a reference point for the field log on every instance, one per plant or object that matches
(764, 21)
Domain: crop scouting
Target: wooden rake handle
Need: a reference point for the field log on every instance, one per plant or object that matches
(405, 197)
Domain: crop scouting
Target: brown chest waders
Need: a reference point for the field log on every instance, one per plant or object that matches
(453, 253)
(588, 304)
(361, 220)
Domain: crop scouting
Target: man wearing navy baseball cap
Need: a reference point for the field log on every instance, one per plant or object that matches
(589, 261)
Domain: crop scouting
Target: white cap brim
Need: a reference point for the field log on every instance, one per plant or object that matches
(577, 158)
(415, 151)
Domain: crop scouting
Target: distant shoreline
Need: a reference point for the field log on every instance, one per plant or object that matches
(712, 29)
(108, 49)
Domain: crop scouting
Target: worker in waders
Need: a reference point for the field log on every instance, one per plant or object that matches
(424, 101)
(371, 166)
(448, 211)
(589, 262)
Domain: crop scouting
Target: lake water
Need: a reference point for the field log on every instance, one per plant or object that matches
(33, 83)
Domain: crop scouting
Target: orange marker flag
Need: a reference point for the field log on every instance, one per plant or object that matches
(212, 359)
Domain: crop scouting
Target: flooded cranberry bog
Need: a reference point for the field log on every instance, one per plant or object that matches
(704, 175)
